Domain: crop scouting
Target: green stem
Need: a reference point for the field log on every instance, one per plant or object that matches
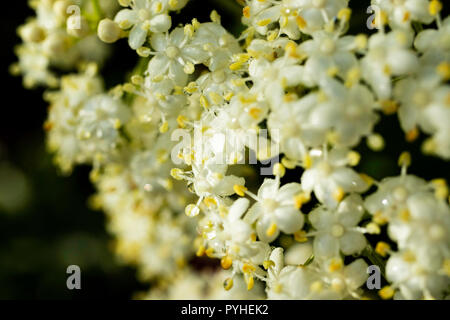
(375, 258)
(97, 9)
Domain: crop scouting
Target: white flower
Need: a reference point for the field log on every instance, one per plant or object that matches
(144, 16)
(329, 177)
(402, 12)
(175, 56)
(337, 229)
(275, 210)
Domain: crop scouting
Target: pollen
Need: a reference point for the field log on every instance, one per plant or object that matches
(250, 283)
(255, 113)
(181, 120)
(279, 170)
(271, 230)
(382, 248)
(338, 194)
(386, 293)
(264, 22)
(405, 159)
(300, 236)
(434, 7)
(443, 70)
(412, 134)
(300, 199)
(353, 158)
(226, 262)
(301, 23)
(268, 263)
(248, 268)
(228, 284)
(239, 190)
(335, 265)
(344, 14)
(246, 12)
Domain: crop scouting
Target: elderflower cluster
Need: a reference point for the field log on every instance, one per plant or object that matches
(294, 91)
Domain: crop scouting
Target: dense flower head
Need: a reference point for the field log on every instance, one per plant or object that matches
(293, 87)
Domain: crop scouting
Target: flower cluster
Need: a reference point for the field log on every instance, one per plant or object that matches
(293, 73)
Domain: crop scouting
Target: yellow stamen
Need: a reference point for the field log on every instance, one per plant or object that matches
(226, 262)
(434, 7)
(239, 190)
(338, 194)
(386, 293)
(382, 248)
(300, 236)
(228, 284)
(271, 230)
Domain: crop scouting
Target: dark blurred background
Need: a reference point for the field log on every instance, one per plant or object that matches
(45, 223)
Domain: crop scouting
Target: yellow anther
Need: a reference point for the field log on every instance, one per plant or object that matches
(236, 66)
(228, 284)
(316, 286)
(301, 23)
(226, 262)
(404, 215)
(192, 210)
(291, 49)
(189, 30)
(255, 113)
(361, 41)
(443, 70)
(446, 267)
(441, 188)
(300, 236)
(181, 120)
(210, 202)
(380, 19)
(332, 71)
(189, 68)
(173, 4)
(250, 283)
(177, 173)
(215, 97)
(137, 79)
(283, 21)
(386, 293)
(264, 22)
(412, 134)
(268, 263)
(248, 268)
(279, 170)
(405, 159)
(117, 124)
(125, 3)
(373, 228)
(367, 179)
(382, 248)
(229, 95)
(271, 230)
(338, 194)
(209, 252)
(307, 161)
(434, 7)
(195, 23)
(200, 251)
(409, 256)
(204, 102)
(289, 164)
(344, 14)
(253, 237)
(164, 127)
(300, 199)
(191, 87)
(129, 88)
(335, 265)
(375, 142)
(387, 70)
(271, 35)
(214, 16)
(353, 158)
(246, 12)
(239, 190)
(353, 76)
(379, 218)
